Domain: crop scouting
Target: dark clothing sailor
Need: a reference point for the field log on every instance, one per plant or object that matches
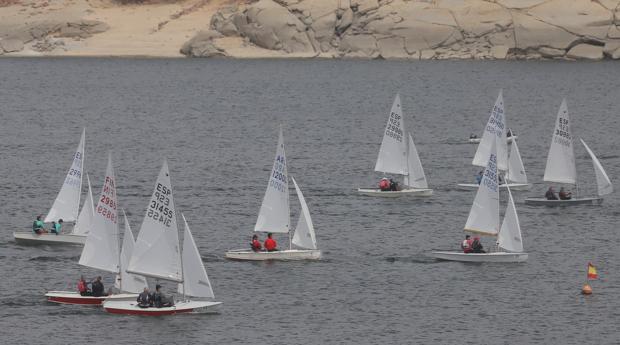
(97, 288)
(144, 299)
(550, 194)
(564, 195)
(476, 246)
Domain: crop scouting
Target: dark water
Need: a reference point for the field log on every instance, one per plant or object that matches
(216, 122)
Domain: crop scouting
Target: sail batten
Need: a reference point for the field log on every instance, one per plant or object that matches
(67, 203)
(274, 214)
(560, 166)
(393, 152)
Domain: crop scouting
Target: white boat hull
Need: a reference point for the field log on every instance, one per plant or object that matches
(30, 238)
(574, 201)
(477, 140)
(513, 186)
(132, 308)
(71, 297)
(480, 257)
(292, 254)
(394, 194)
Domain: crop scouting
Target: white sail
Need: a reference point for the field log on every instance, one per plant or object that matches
(304, 232)
(195, 280)
(484, 214)
(67, 203)
(516, 170)
(602, 181)
(101, 250)
(509, 237)
(416, 177)
(83, 223)
(156, 253)
(561, 159)
(393, 152)
(274, 215)
(495, 131)
(128, 282)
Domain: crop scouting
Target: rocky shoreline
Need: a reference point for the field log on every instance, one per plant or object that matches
(367, 29)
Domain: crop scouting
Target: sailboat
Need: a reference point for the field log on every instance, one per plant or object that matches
(101, 250)
(561, 168)
(398, 155)
(495, 132)
(515, 176)
(156, 255)
(65, 207)
(274, 217)
(484, 220)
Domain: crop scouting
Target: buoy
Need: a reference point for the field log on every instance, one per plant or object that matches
(586, 289)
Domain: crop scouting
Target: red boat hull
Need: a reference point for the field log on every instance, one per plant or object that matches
(77, 300)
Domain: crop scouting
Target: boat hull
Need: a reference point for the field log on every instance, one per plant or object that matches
(70, 297)
(284, 255)
(480, 257)
(513, 186)
(477, 140)
(576, 201)
(132, 308)
(30, 238)
(394, 194)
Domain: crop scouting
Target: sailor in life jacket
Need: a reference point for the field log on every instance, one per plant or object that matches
(384, 184)
(467, 245)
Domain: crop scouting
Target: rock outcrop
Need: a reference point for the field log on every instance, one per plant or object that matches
(418, 29)
(46, 36)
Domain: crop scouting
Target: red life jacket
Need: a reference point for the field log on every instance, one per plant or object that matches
(467, 246)
(256, 245)
(82, 286)
(384, 185)
(270, 244)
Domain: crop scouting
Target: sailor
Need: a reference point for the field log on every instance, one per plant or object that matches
(473, 136)
(476, 246)
(550, 194)
(82, 287)
(393, 185)
(466, 245)
(564, 195)
(56, 227)
(144, 299)
(37, 226)
(384, 184)
(479, 177)
(160, 300)
(255, 244)
(97, 287)
(270, 244)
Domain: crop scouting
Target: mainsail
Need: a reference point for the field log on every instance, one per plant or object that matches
(67, 203)
(495, 131)
(561, 159)
(101, 250)
(274, 215)
(484, 214)
(156, 253)
(393, 152)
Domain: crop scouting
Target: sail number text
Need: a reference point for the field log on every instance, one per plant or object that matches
(158, 208)
(278, 178)
(106, 206)
(393, 129)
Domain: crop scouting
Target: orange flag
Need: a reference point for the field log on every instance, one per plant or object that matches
(592, 271)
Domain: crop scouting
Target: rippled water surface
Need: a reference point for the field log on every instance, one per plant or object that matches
(216, 122)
